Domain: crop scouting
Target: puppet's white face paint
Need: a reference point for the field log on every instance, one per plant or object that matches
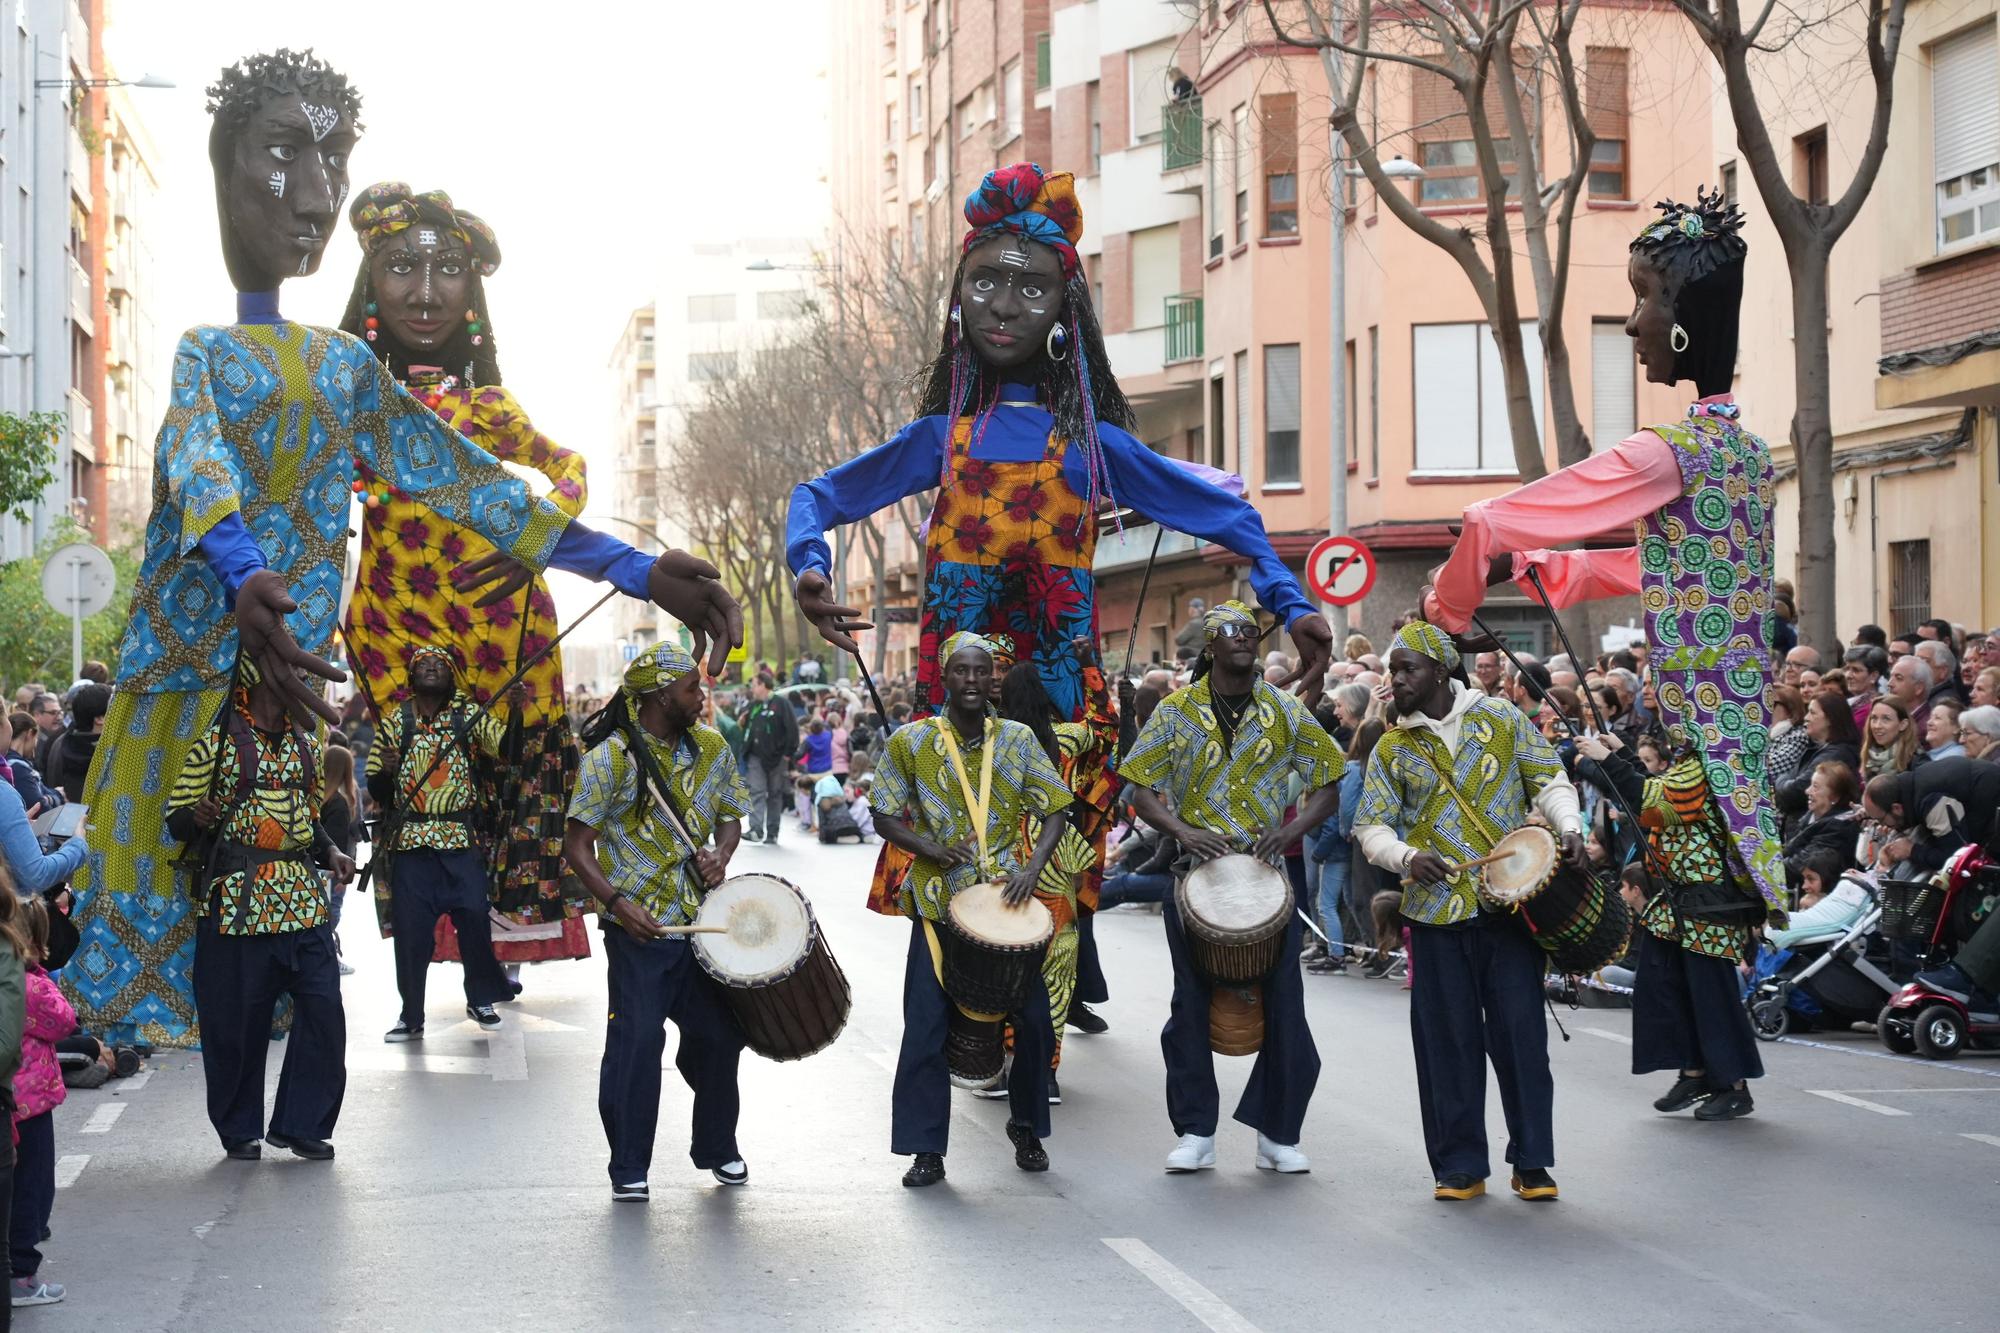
(321, 119)
(425, 236)
(1014, 258)
(277, 183)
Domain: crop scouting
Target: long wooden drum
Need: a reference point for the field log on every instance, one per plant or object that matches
(992, 953)
(1234, 911)
(778, 976)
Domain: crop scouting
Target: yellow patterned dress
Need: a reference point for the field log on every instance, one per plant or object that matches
(404, 598)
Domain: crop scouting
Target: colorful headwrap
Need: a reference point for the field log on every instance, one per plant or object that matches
(1023, 200)
(1691, 242)
(1005, 652)
(1227, 613)
(964, 639)
(661, 664)
(426, 650)
(389, 207)
(1427, 640)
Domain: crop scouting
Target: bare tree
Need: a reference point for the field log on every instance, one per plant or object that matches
(1808, 231)
(1506, 55)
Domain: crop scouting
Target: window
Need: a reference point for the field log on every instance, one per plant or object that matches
(1461, 397)
(1909, 582)
(964, 116)
(1353, 405)
(1965, 146)
(1278, 113)
(1156, 273)
(941, 25)
(706, 366)
(1216, 428)
(1010, 98)
(1239, 189)
(1374, 400)
(1451, 171)
(1728, 182)
(718, 309)
(1604, 100)
(913, 97)
(1613, 384)
(781, 305)
(1242, 377)
(1096, 128)
(1146, 80)
(1809, 165)
(1216, 212)
(889, 124)
(1281, 414)
(1043, 78)
(1445, 147)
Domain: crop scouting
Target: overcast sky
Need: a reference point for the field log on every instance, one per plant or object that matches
(598, 138)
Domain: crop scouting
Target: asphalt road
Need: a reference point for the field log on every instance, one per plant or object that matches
(470, 1189)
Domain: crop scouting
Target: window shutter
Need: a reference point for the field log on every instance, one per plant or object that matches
(1612, 405)
(1278, 113)
(1604, 91)
(1447, 415)
(1440, 112)
(1965, 103)
(1281, 387)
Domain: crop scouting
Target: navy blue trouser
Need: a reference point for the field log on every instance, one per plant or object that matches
(1687, 1013)
(425, 885)
(1287, 1070)
(652, 982)
(1091, 987)
(920, 1109)
(1477, 996)
(237, 982)
(34, 1192)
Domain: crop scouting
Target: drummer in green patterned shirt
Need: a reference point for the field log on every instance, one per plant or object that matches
(1214, 770)
(246, 804)
(421, 765)
(648, 868)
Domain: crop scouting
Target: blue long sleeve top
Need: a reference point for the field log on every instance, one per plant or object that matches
(910, 463)
(32, 871)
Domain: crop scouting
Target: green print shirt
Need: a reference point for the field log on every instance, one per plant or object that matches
(642, 857)
(275, 819)
(452, 787)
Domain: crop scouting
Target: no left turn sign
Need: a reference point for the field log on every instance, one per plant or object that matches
(1340, 570)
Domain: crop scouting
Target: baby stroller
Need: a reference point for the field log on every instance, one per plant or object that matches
(1816, 972)
(1920, 1018)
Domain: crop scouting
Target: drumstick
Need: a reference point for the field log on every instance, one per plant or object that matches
(1473, 864)
(695, 930)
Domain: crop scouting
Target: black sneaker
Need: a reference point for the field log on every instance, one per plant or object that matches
(1729, 1105)
(1458, 1187)
(927, 1169)
(1084, 1019)
(1378, 966)
(483, 1014)
(1028, 1152)
(317, 1150)
(1534, 1184)
(243, 1150)
(403, 1032)
(632, 1193)
(1327, 966)
(1687, 1090)
(1055, 1093)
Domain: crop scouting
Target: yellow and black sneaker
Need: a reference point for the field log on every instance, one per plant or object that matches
(1459, 1187)
(1535, 1185)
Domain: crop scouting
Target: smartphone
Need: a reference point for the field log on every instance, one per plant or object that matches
(65, 821)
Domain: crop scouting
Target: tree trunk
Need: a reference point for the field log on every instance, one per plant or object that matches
(756, 631)
(1572, 441)
(778, 604)
(1812, 445)
(1521, 421)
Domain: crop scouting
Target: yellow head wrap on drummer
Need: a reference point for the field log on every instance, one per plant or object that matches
(1223, 614)
(1427, 640)
(962, 640)
(660, 665)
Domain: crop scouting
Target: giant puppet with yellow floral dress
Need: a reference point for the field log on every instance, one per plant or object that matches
(419, 301)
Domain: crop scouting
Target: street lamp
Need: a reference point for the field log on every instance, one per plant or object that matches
(766, 266)
(1398, 168)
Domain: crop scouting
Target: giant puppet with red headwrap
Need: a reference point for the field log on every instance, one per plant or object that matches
(1024, 432)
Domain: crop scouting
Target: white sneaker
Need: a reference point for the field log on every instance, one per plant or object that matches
(1196, 1153)
(733, 1173)
(1284, 1158)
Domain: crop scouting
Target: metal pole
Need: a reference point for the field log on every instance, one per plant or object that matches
(75, 618)
(1336, 328)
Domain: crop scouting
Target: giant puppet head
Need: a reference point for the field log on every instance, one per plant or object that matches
(421, 294)
(1686, 270)
(283, 126)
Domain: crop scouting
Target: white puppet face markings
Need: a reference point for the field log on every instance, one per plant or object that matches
(321, 119)
(277, 183)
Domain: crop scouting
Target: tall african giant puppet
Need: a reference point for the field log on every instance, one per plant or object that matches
(252, 489)
(1024, 432)
(1699, 492)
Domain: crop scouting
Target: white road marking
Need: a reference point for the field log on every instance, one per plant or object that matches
(507, 1053)
(69, 1168)
(1864, 1104)
(417, 1062)
(103, 1118)
(1196, 1299)
(1993, 1139)
(1608, 1035)
(134, 1083)
(1885, 1055)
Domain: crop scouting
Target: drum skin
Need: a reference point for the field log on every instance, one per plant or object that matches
(789, 1011)
(1236, 1020)
(991, 953)
(1234, 910)
(1532, 859)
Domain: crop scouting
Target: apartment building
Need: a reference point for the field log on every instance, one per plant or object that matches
(136, 360)
(1913, 322)
(635, 484)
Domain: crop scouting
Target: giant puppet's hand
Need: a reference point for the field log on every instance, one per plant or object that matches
(836, 624)
(501, 574)
(1313, 637)
(262, 604)
(689, 589)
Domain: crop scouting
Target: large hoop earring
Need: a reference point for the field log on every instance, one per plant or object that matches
(957, 329)
(1678, 339)
(1057, 343)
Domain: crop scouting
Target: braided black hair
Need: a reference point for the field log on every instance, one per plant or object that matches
(616, 717)
(478, 364)
(1023, 699)
(1699, 250)
(1079, 391)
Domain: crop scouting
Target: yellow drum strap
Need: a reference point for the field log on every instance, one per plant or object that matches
(937, 967)
(975, 808)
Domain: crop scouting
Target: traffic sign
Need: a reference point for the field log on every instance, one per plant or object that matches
(78, 581)
(1340, 570)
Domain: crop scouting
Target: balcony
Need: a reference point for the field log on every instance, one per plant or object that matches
(82, 308)
(1184, 341)
(1180, 135)
(80, 426)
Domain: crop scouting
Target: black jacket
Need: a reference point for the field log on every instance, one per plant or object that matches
(1945, 806)
(770, 730)
(1791, 797)
(69, 762)
(1838, 831)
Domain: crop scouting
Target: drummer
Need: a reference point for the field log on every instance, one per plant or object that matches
(647, 880)
(1219, 807)
(1456, 774)
(935, 776)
